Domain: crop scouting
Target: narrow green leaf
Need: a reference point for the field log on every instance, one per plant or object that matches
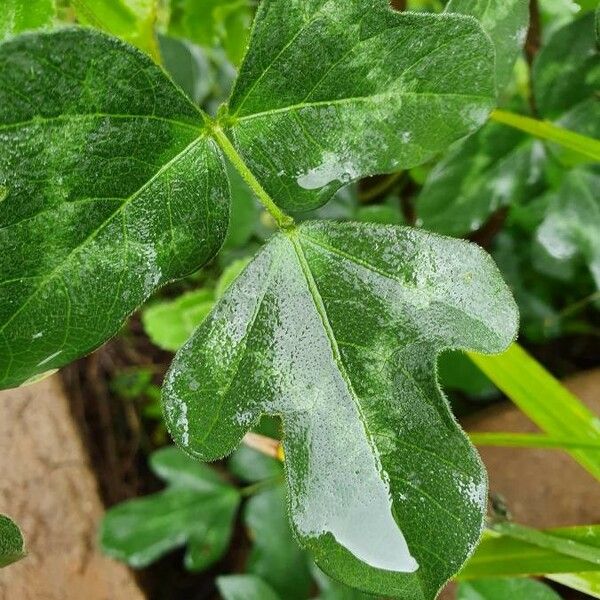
(530, 440)
(170, 323)
(501, 589)
(502, 556)
(22, 15)
(544, 130)
(106, 172)
(197, 509)
(588, 583)
(544, 400)
(12, 546)
(245, 587)
(276, 556)
(287, 339)
(506, 22)
(334, 90)
(131, 20)
(572, 224)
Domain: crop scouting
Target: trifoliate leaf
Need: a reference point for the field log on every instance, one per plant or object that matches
(276, 556)
(501, 589)
(506, 22)
(245, 587)
(197, 509)
(22, 15)
(12, 547)
(336, 328)
(131, 20)
(572, 224)
(334, 90)
(170, 323)
(108, 189)
(567, 69)
(494, 168)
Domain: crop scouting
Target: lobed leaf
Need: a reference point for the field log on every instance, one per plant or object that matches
(197, 510)
(337, 327)
(331, 91)
(12, 546)
(108, 188)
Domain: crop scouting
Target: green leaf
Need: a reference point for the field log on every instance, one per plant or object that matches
(501, 589)
(12, 546)
(252, 466)
(131, 20)
(106, 173)
(530, 440)
(501, 556)
(333, 90)
(197, 509)
(229, 275)
(334, 590)
(506, 22)
(276, 556)
(572, 224)
(492, 169)
(211, 23)
(245, 587)
(169, 324)
(544, 400)
(21, 15)
(457, 372)
(336, 327)
(566, 71)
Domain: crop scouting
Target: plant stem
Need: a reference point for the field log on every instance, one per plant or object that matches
(264, 445)
(283, 220)
(586, 146)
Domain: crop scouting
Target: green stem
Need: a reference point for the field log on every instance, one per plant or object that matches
(283, 220)
(586, 146)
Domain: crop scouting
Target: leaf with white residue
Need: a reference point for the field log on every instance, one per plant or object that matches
(333, 91)
(336, 327)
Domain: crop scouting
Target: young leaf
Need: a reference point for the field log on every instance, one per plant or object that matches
(197, 509)
(12, 547)
(544, 400)
(276, 556)
(170, 323)
(501, 589)
(334, 90)
(211, 23)
(108, 189)
(572, 224)
(502, 556)
(131, 20)
(336, 327)
(506, 22)
(566, 69)
(21, 15)
(245, 587)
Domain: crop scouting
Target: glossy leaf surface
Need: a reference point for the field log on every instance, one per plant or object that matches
(336, 327)
(571, 227)
(108, 190)
(12, 547)
(506, 22)
(245, 587)
(334, 90)
(21, 15)
(197, 509)
(501, 589)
